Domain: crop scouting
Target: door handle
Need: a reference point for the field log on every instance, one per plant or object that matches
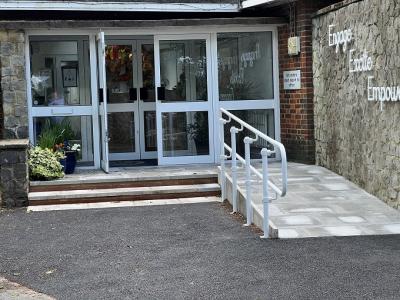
(144, 95)
(160, 93)
(101, 98)
(133, 94)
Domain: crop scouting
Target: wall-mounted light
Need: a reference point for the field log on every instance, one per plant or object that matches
(294, 45)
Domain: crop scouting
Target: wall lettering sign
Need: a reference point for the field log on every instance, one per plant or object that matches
(339, 38)
(359, 63)
(292, 80)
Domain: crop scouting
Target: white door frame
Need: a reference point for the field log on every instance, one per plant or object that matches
(184, 106)
(103, 110)
(211, 30)
(66, 111)
(144, 106)
(129, 107)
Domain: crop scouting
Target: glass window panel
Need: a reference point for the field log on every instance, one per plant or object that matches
(261, 119)
(77, 130)
(185, 134)
(183, 69)
(121, 131)
(245, 66)
(119, 74)
(150, 131)
(147, 93)
(60, 72)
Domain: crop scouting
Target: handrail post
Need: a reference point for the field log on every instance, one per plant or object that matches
(222, 158)
(249, 208)
(234, 131)
(264, 155)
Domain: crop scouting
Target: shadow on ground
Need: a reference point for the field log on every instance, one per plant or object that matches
(186, 251)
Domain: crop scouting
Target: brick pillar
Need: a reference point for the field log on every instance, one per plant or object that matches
(297, 109)
(14, 182)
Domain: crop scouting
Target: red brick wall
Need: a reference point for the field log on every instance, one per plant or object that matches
(297, 109)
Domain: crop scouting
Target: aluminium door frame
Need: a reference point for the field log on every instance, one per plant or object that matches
(66, 111)
(143, 105)
(150, 31)
(128, 106)
(184, 106)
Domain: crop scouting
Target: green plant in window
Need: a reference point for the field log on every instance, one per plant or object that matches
(44, 164)
(54, 133)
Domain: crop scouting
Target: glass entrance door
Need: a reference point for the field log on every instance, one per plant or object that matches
(184, 106)
(131, 99)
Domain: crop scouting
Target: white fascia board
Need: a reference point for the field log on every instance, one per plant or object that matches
(118, 6)
(251, 3)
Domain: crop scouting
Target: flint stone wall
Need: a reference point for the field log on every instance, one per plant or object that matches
(14, 183)
(13, 84)
(353, 136)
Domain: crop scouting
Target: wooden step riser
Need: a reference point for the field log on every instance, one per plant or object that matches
(123, 184)
(125, 198)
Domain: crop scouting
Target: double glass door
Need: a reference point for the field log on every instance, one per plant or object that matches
(172, 122)
(131, 117)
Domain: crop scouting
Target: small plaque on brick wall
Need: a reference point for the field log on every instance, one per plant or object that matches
(292, 80)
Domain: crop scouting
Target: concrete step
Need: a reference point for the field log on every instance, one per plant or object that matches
(124, 194)
(113, 182)
(119, 204)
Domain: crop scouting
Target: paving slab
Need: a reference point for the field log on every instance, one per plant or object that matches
(321, 203)
(13, 291)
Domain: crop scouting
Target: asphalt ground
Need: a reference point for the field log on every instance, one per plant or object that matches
(191, 251)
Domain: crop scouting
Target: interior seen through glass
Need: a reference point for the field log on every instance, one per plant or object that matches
(60, 72)
(183, 68)
(245, 66)
(74, 130)
(121, 131)
(185, 134)
(131, 98)
(261, 119)
(60, 76)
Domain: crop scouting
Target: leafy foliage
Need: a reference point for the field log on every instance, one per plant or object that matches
(55, 133)
(44, 164)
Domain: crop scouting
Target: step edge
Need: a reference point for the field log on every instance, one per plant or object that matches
(123, 191)
(119, 179)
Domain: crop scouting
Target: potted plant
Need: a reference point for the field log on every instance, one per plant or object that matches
(56, 136)
(70, 153)
(44, 164)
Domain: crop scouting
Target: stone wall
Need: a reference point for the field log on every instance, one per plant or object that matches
(13, 84)
(354, 137)
(14, 173)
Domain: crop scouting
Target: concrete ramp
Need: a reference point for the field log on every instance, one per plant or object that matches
(319, 203)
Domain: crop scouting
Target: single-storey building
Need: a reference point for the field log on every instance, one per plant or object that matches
(143, 81)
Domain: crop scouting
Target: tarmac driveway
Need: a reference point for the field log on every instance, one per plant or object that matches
(186, 251)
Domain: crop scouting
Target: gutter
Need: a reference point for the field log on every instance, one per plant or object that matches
(123, 6)
(269, 3)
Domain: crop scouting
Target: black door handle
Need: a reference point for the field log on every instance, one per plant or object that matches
(144, 94)
(101, 98)
(133, 94)
(161, 93)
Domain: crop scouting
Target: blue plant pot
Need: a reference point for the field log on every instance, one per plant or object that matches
(69, 162)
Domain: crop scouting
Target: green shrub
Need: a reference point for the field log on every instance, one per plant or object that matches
(55, 133)
(44, 164)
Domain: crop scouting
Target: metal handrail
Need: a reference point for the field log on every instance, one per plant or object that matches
(249, 168)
